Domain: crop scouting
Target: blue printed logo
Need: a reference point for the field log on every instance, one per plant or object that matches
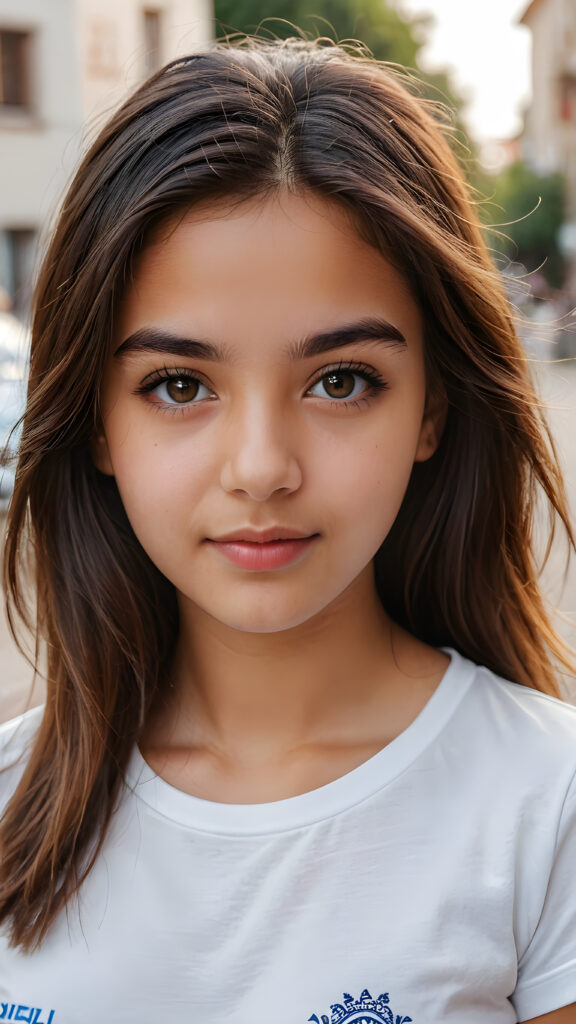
(364, 1010)
(30, 1014)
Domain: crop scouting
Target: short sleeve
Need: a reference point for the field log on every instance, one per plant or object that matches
(547, 970)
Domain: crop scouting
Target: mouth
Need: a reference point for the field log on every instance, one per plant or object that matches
(269, 551)
(273, 534)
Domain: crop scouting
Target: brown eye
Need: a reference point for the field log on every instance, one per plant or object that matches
(182, 389)
(348, 381)
(339, 385)
(165, 389)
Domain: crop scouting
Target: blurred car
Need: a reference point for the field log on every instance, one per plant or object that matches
(6, 486)
(14, 346)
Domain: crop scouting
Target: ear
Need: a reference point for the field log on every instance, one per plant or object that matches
(433, 423)
(101, 454)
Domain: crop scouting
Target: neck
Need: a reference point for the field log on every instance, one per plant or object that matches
(270, 693)
(348, 676)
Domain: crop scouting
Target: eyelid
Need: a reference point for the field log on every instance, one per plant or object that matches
(169, 373)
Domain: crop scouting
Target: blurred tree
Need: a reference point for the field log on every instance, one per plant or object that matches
(528, 210)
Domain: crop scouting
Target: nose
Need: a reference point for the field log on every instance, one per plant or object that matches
(260, 458)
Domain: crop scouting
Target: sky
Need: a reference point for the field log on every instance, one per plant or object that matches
(490, 55)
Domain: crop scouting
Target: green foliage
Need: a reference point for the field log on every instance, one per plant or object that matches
(529, 210)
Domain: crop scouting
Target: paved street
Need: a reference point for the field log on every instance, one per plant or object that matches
(558, 386)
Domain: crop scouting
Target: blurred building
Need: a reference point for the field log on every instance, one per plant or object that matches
(64, 64)
(549, 140)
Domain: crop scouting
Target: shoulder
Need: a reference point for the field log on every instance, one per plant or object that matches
(521, 706)
(16, 739)
(520, 725)
(537, 714)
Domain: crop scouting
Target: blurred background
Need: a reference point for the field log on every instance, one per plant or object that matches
(506, 69)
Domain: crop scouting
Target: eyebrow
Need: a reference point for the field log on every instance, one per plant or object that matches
(369, 329)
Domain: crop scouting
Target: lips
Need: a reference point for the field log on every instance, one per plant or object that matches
(261, 550)
(249, 535)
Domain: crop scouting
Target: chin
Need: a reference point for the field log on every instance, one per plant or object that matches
(267, 620)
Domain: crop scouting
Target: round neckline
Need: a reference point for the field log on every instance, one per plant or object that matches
(315, 805)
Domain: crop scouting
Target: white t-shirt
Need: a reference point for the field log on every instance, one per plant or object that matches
(435, 883)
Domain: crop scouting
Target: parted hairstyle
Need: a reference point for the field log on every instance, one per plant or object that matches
(249, 117)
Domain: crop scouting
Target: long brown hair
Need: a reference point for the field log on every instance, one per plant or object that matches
(243, 119)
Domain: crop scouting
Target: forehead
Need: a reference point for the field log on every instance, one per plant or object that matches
(277, 268)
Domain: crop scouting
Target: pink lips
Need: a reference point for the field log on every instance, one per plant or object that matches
(261, 550)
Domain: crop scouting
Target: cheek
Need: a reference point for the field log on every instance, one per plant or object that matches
(375, 487)
(158, 482)
(368, 476)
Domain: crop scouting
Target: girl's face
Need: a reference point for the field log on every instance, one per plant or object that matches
(268, 375)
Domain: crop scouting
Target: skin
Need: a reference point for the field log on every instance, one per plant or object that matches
(286, 679)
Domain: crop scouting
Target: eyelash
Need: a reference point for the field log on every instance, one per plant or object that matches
(367, 373)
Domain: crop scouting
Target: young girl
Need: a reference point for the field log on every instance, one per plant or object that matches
(278, 477)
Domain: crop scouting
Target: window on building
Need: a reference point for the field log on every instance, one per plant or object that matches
(14, 69)
(101, 47)
(152, 40)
